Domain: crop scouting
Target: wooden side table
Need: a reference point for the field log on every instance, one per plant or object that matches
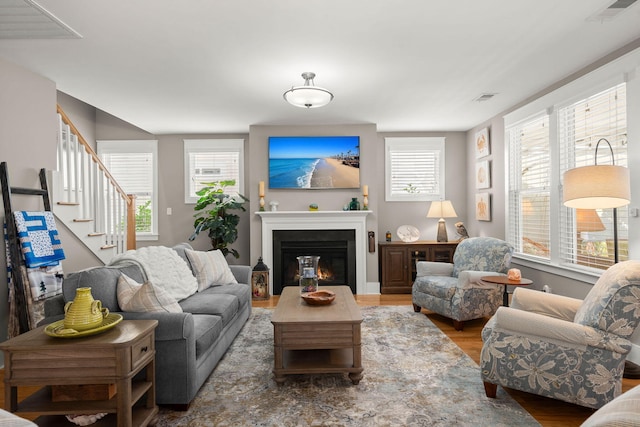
(111, 357)
(504, 280)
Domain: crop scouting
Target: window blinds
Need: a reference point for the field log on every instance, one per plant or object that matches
(134, 173)
(529, 187)
(586, 236)
(414, 169)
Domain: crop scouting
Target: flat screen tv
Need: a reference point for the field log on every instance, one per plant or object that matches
(314, 162)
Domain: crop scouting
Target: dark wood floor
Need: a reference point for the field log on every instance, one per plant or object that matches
(548, 412)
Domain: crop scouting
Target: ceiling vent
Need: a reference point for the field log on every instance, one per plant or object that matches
(26, 19)
(485, 97)
(613, 10)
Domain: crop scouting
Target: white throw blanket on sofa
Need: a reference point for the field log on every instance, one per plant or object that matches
(164, 268)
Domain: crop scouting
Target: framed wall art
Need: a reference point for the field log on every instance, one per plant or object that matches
(483, 174)
(483, 206)
(483, 145)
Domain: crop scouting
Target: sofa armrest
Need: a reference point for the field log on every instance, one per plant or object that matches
(54, 306)
(171, 326)
(558, 306)
(523, 323)
(242, 273)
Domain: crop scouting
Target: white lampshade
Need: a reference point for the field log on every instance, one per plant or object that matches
(598, 186)
(308, 96)
(442, 209)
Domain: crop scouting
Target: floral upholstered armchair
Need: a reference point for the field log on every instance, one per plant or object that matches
(565, 348)
(455, 290)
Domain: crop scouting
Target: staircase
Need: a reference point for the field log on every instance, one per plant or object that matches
(87, 199)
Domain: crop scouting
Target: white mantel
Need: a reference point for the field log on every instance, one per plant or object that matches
(318, 220)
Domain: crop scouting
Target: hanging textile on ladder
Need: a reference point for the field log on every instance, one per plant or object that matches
(33, 253)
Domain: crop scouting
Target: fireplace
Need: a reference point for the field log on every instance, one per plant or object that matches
(336, 249)
(319, 221)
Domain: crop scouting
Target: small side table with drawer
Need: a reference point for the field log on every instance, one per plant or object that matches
(112, 357)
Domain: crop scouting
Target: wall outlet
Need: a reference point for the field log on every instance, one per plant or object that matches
(169, 211)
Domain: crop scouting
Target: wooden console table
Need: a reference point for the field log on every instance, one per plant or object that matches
(111, 357)
(397, 262)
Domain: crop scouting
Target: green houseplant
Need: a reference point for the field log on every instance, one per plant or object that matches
(213, 214)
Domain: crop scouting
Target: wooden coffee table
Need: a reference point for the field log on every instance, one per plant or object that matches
(317, 339)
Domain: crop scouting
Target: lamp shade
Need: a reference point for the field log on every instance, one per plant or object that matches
(441, 209)
(588, 220)
(598, 186)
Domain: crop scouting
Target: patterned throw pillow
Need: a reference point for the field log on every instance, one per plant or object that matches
(138, 298)
(210, 268)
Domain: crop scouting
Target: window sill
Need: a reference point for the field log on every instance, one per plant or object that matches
(147, 237)
(558, 270)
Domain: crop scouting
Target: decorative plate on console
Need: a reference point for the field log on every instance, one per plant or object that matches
(408, 233)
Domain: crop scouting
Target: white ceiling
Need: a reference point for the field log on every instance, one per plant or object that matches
(216, 66)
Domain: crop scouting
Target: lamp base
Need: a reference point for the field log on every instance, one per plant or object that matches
(442, 231)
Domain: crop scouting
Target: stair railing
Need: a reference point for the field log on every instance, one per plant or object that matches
(88, 183)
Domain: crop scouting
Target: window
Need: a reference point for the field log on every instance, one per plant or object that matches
(586, 236)
(133, 164)
(208, 160)
(541, 148)
(414, 169)
(529, 186)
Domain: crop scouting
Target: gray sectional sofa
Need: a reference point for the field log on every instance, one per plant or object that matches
(188, 344)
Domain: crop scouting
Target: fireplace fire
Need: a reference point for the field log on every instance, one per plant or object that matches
(336, 249)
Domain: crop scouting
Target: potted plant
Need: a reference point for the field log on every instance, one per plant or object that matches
(213, 214)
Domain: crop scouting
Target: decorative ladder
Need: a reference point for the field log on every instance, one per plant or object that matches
(13, 243)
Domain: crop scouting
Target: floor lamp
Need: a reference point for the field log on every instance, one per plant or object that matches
(601, 187)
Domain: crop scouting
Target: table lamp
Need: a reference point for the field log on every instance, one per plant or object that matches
(441, 209)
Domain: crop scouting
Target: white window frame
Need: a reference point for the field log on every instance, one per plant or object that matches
(212, 146)
(584, 87)
(139, 146)
(412, 145)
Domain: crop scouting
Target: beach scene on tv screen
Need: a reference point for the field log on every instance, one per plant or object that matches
(314, 162)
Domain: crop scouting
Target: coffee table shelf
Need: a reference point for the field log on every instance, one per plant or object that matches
(317, 339)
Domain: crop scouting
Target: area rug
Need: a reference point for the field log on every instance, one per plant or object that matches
(414, 375)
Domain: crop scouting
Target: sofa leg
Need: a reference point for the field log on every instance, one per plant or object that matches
(458, 325)
(178, 407)
(417, 308)
(490, 389)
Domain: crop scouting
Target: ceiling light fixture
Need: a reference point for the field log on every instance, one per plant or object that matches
(309, 95)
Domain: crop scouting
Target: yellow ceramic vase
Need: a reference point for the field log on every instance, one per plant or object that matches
(84, 312)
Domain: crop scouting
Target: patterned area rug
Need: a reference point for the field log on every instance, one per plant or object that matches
(414, 375)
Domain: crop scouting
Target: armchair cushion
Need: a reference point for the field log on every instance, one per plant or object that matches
(432, 268)
(438, 286)
(482, 254)
(612, 304)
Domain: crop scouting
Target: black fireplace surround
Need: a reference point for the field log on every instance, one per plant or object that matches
(336, 249)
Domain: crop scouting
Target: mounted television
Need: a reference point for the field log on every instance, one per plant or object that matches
(314, 162)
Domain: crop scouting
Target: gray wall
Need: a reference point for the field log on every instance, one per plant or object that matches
(394, 214)
(299, 200)
(27, 143)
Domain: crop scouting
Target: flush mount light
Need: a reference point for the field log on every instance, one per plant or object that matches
(309, 95)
